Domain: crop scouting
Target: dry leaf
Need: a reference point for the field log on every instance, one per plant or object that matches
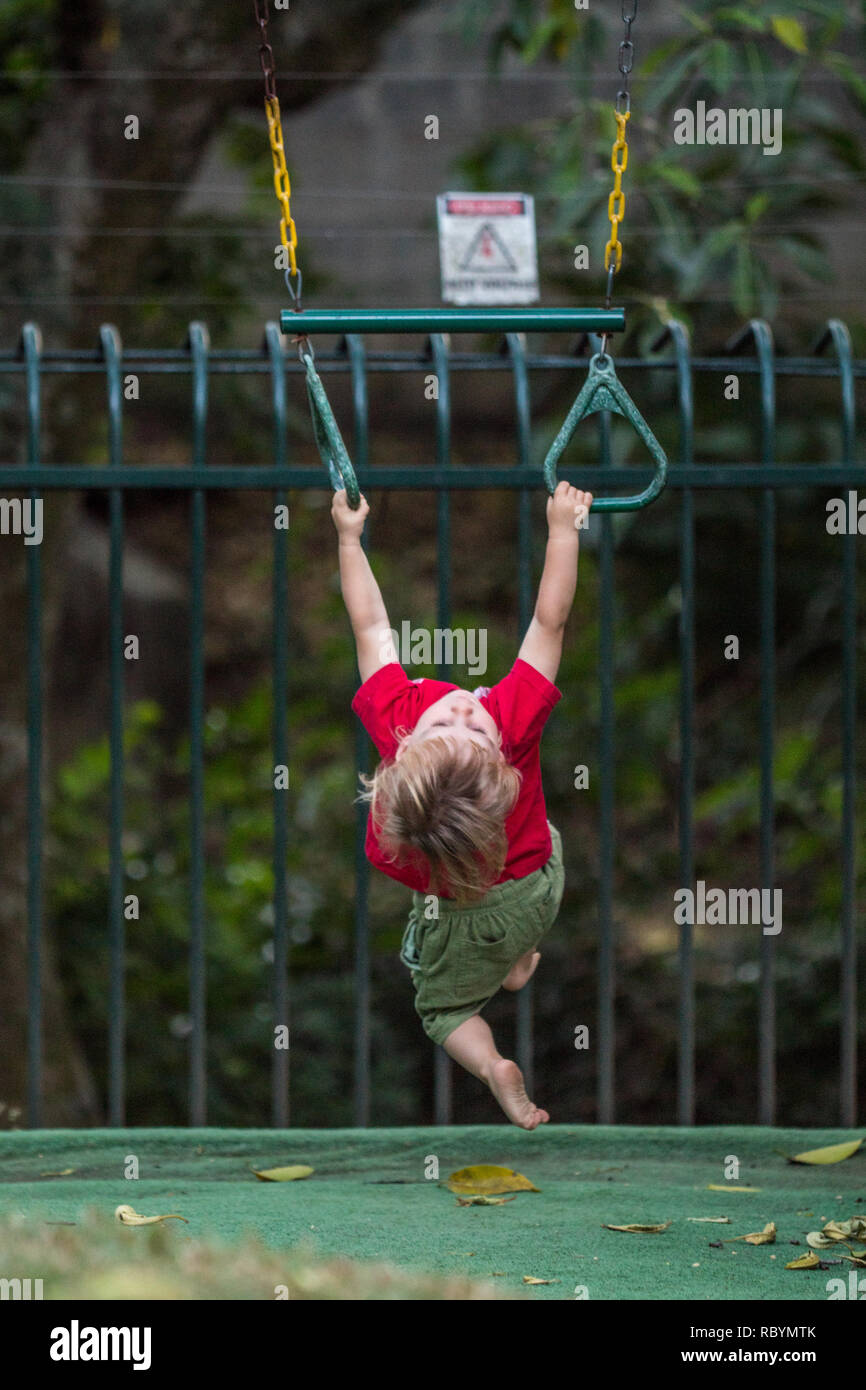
(836, 1153)
(638, 1230)
(483, 1201)
(834, 1231)
(719, 1220)
(128, 1217)
(64, 1173)
(809, 1261)
(529, 1279)
(289, 1174)
(765, 1237)
(489, 1178)
(729, 1187)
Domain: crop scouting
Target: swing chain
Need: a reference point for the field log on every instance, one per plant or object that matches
(282, 183)
(619, 158)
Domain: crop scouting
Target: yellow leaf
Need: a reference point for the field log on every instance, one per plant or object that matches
(638, 1230)
(836, 1153)
(489, 1178)
(765, 1237)
(64, 1173)
(128, 1217)
(809, 1261)
(790, 32)
(289, 1174)
(484, 1201)
(528, 1279)
(729, 1187)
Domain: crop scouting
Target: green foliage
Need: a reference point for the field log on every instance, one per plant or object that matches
(702, 223)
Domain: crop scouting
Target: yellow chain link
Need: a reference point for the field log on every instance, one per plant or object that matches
(616, 201)
(288, 233)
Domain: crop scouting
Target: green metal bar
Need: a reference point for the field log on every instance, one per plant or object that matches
(280, 1070)
(439, 354)
(248, 361)
(357, 356)
(30, 346)
(516, 348)
(606, 770)
(740, 476)
(112, 351)
(837, 333)
(356, 353)
(553, 320)
(759, 332)
(677, 334)
(198, 343)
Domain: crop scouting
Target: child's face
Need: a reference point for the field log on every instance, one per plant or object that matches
(460, 716)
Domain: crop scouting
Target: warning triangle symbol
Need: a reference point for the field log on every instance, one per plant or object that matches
(487, 252)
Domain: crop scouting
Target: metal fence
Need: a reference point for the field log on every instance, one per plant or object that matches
(752, 352)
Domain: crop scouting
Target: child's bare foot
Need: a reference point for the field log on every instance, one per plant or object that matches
(505, 1080)
(521, 971)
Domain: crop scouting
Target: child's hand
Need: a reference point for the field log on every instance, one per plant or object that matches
(568, 510)
(349, 523)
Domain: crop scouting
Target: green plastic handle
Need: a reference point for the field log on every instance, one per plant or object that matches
(329, 441)
(603, 390)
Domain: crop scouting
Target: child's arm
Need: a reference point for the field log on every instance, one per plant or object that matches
(542, 645)
(373, 641)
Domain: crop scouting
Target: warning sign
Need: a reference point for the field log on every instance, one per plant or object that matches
(487, 248)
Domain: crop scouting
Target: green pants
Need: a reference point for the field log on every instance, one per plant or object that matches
(460, 957)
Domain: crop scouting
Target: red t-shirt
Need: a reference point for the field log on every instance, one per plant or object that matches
(520, 705)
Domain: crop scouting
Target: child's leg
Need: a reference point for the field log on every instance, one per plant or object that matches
(521, 971)
(473, 1047)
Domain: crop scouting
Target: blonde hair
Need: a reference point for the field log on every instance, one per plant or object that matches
(449, 802)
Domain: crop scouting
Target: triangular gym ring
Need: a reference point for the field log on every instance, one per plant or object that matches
(330, 444)
(603, 390)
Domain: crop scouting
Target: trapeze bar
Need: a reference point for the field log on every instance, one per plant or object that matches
(452, 320)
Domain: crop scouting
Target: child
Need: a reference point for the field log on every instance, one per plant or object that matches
(457, 810)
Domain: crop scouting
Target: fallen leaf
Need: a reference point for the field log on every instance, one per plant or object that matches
(483, 1201)
(64, 1173)
(729, 1187)
(809, 1261)
(719, 1220)
(836, 1153)
(834, 1231)
(529, 1279)
(638, 1230)
(765, 1237)
(128, 1217)
(290, 1174)
(489, 1178)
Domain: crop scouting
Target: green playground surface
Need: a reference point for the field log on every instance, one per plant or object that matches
(369, 1199)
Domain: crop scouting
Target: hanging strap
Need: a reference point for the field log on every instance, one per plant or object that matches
(603, 390)
(329, 441)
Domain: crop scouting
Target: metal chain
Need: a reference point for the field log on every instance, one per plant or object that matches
(619, 156)
(282, 184)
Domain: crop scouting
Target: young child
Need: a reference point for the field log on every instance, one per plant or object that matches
(456, 806)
